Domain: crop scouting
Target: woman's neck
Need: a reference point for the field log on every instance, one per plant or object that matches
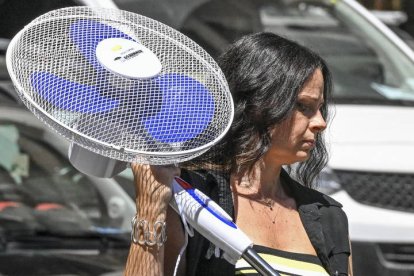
(263, 182)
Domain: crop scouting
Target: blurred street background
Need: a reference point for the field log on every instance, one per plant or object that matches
(397, 14)
(55, 220)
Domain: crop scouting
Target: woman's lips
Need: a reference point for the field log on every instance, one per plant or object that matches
(309, 144)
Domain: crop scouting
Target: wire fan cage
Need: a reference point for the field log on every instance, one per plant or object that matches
(169, 118)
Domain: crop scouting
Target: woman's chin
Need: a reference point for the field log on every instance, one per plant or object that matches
(303, 156)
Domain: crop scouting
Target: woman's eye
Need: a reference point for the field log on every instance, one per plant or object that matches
(303, 107)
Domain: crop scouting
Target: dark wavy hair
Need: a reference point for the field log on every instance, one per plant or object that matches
(265, 73)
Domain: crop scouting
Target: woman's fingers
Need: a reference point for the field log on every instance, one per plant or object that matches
(154, 181)
(165, 174)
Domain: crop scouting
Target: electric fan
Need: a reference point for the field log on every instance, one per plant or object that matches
(125, 88)
(121, 86)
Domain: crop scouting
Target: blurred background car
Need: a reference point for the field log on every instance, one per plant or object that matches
(371, 139)
(53, 219)
(395, 20)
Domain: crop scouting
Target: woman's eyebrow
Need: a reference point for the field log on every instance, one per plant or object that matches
(311, 98)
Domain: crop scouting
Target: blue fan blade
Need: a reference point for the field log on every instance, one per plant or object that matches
(186, 111)
(69, 95)
(86, 34)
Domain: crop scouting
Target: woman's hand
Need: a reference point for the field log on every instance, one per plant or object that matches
(153, 189)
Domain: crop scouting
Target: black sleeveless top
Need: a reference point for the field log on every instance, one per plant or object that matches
(323, 219)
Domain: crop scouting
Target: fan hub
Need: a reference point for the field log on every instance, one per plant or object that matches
(127, 58)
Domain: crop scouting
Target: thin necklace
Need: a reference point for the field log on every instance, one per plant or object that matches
(270, 203)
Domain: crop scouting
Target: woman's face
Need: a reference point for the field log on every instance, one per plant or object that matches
(295, 137)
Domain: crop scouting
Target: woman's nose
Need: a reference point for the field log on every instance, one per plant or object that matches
(317, 122)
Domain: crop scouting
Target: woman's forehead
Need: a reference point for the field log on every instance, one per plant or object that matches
(313, 87)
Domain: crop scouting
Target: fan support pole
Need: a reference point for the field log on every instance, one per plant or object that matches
(258, 263)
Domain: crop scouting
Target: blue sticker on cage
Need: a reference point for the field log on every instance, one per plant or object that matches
(71, 96)
(86, 34)
(187, 109)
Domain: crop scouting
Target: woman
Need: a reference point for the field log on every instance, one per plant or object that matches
(280, 90)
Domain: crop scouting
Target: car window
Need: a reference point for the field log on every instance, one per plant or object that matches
(14, 15)
(367, 67)
(41, 191)
(3, 47)
(355, 64)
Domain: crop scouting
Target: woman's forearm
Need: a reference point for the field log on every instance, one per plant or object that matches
(145, 260)
(153, 192)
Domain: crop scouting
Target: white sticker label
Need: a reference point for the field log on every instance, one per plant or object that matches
(128, 58)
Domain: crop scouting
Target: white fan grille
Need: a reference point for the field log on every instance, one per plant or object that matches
(112, 115)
